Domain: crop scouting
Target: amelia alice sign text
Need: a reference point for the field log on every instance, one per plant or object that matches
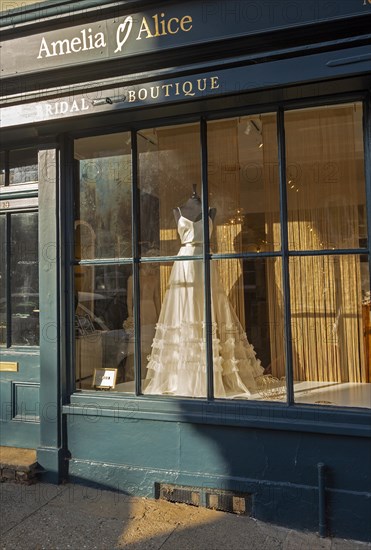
(130, 28)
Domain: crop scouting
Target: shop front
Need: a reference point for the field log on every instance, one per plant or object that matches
(185, 261)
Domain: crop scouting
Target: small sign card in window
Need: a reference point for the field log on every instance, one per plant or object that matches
(104, 379)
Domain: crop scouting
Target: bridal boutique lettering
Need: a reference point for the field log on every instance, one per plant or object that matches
(126, 97)
(156, 26)
(66, 107)
(188, 88)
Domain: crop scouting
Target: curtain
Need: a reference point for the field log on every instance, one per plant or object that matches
(323, 208)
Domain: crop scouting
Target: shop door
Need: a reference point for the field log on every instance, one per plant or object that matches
(19, 308)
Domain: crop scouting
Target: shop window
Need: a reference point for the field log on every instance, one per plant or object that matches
(329, 294)
(24, 279)
(173, 347)
(19, 279)
(243, 184)
(102, 230)
(161, 300)
(103, 197)
(247, 362)
(326, 192)
(23, 166)
(173, 356)
(330, 309)
(169, 161)
(19, 268)
(100, 311)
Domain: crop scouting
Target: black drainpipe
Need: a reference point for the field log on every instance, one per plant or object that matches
(321, 500)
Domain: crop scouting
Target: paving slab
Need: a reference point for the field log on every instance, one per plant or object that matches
(18, 502)
(49, 517)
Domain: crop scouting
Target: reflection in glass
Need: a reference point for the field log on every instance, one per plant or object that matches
(331, 330)
(23, 166)
(24, 279)
(247, 328)
(177, 362)
(150, 276)
(169, 166)
(243, 183)
(3, 306)
(325, 178)
(103, 197)
(101, 307)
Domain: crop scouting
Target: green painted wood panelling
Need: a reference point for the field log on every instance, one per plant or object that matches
(278, 468)
(49, 451)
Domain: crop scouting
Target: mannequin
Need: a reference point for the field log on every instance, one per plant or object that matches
(177, 362)
(192, 209)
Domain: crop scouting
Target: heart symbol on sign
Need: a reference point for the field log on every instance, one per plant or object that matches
(125, 26)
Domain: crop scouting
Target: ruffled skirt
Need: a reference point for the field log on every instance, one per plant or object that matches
(177, 363)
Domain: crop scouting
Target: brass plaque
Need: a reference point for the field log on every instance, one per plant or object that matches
(6, 366)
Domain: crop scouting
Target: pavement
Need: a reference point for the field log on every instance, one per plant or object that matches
(43, 516)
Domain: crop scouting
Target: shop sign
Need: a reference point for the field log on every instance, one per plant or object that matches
(165, 28)
(229, 81)
(177, 89)
(146, 28)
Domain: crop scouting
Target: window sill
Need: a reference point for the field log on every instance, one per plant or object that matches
(253, 414)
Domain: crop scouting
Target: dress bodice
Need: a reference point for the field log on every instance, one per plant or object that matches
(190, 232)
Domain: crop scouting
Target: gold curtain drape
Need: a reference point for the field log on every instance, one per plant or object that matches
(325, 291)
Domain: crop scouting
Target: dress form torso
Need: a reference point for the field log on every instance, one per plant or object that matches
(192, 210)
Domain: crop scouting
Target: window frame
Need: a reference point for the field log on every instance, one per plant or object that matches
(21, 198)
(279, 413)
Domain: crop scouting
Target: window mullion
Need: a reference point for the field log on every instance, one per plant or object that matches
(136, 254)
(285, 255)
(206, 260)
(367, 153)
(8, 282)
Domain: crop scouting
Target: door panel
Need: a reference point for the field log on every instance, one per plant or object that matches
(19, 398)
(19, 325)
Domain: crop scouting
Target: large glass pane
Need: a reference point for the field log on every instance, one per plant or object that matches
(173, 327)
(169, 167)
(248, 336)
(150, 278)
(103, 197)
(24, 279)
(23, 166)
(243, 184)
(3, 305)
(331, 330)
(325, 178)
(101, 341)
(2, 168)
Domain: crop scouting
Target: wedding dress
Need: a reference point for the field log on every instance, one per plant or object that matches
(177, 363)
